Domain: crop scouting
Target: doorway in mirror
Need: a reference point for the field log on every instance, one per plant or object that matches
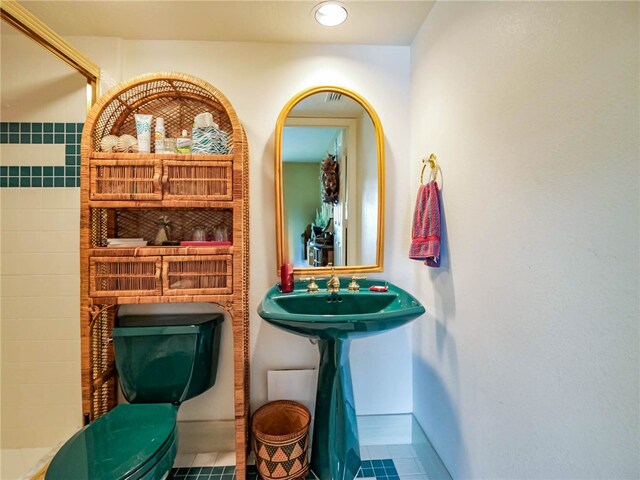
(329, 182)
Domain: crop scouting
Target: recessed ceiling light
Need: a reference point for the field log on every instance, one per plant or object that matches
(330, 14)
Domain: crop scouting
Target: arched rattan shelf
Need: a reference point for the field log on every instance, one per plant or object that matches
(122, 194)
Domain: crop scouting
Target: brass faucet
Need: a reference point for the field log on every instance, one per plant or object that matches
(312, 286)
(333, 284)
(353, 287)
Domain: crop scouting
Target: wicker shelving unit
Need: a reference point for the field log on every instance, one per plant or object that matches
(124, 195)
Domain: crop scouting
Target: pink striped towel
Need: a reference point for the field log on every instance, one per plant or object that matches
(425, 234)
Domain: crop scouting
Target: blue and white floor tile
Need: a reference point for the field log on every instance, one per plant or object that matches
(379, 462)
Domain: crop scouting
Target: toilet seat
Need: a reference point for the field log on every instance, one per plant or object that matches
(130, 442)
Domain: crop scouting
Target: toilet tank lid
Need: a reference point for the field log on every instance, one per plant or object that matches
(168, 320)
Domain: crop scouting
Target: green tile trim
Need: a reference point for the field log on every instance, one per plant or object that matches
(43, 133)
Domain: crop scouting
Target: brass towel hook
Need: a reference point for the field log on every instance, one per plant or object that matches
(432, 161)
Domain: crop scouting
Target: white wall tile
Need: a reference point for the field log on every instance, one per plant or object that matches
(60, 220)
(30, 198)
(9, 242)
(51, 158)
(39, 307)
(36, 435)
(20, 220)
(40, 264)
(41, 351)
(23, 395)
(33, 154)
(36, 242)
(19, 307)
(31, 285)
(39, 258)
(62, 198)
(57, 351)
(73, 198)
(9, 154)
(13, 437)
(12, 465)
(9, 197)
(40, 329)
(60, 394)
(15, 373)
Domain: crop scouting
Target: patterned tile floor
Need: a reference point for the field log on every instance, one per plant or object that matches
(379, 462)
(379, 469)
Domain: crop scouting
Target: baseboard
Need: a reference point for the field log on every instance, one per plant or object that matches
(219, 435)
(385, 429)
(206, 436)
(427, 455)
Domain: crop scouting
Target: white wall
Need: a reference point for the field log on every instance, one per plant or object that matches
(526, 365)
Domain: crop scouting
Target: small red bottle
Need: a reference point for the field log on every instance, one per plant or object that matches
(286, 278)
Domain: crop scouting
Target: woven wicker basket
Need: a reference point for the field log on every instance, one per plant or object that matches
(281, 440)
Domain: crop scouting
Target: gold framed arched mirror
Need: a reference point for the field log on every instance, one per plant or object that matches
(329, 180)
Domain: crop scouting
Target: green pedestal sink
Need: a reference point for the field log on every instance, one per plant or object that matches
(334, 319)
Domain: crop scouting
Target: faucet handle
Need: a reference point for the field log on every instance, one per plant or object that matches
(353, 286)
(312, 286)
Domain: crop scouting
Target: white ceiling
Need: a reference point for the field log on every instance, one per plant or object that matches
(307, 144)
(325, 105)
(384, 22)
(312, 143)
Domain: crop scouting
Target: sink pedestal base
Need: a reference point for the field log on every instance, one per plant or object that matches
(335, 451)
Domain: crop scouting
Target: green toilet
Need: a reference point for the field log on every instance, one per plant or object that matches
(162, 360)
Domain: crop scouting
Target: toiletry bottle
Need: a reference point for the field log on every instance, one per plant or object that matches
(159, 135)
(143, 129)
(170, 145)
(286, 278)
(183, 143)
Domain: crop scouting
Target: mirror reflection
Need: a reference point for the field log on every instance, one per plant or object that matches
(330, 167)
